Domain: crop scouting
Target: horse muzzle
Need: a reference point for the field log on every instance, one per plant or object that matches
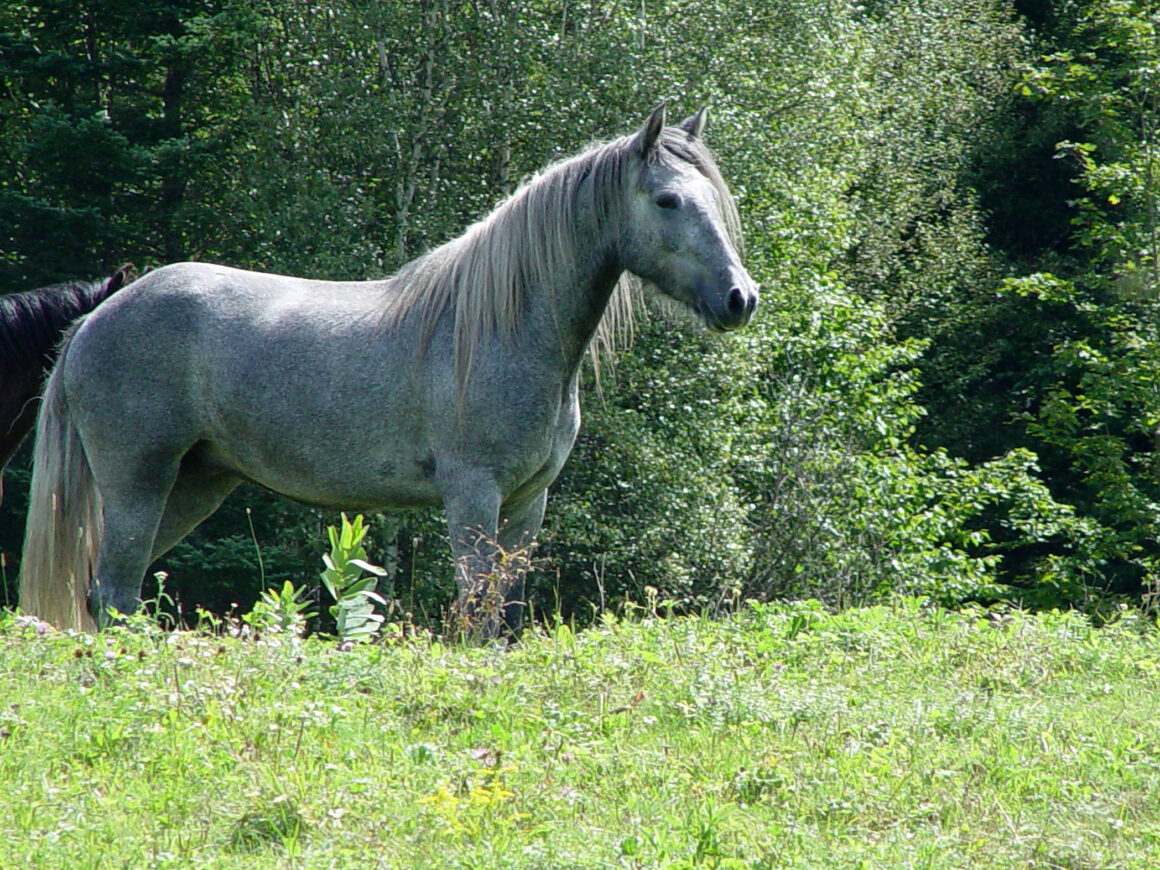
(736, 307)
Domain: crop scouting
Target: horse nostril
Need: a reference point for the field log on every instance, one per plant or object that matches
(737, 303)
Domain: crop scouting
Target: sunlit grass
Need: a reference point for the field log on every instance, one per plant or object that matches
(784, 737)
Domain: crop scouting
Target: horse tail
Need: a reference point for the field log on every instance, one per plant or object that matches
(63, 530)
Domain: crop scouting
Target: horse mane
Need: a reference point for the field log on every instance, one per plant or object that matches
(484, 276)
(31, 322)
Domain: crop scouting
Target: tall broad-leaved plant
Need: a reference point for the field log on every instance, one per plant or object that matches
(351, 580)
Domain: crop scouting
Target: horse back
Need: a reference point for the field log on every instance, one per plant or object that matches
(255, 366)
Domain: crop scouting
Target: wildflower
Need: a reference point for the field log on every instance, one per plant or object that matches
(32, 622)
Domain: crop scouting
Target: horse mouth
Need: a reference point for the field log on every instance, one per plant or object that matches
(721, 324)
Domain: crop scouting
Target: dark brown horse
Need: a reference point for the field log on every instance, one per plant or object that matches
(31, 326)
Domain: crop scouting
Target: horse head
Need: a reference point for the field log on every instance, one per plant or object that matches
(682, 233)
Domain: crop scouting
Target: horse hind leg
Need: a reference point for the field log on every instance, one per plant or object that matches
(132, 506)
(142, 528)
(198, 492)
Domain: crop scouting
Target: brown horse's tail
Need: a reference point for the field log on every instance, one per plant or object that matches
(63, 531)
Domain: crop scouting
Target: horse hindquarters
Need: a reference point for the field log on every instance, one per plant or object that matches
(63, 525)
(92, 520)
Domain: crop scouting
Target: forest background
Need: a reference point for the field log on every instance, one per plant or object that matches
(951, 389)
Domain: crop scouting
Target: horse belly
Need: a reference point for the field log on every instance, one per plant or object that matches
(327, 462)
(323, 437)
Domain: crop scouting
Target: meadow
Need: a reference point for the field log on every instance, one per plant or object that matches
(781, 736)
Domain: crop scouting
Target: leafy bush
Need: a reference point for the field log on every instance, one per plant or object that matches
(354, 594)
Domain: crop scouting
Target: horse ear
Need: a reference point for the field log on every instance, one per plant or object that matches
(695, 125)
(646, 139)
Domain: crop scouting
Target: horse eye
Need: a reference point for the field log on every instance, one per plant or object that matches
(668, 200)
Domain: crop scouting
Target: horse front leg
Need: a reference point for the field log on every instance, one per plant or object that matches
(518, 527)
(489, 543)
(472, 522)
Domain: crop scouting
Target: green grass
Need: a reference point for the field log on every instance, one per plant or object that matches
(784, 737)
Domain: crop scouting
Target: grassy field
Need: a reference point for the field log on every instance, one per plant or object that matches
(783, 737)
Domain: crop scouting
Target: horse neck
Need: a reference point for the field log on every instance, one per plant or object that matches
(569, 313)
(31, 324)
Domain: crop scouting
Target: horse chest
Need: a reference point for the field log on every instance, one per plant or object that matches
(532, 445)
(561, 438)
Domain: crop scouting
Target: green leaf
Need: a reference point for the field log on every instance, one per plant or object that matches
(369, 568)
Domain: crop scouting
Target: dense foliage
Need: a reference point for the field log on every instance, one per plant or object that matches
(952, 206)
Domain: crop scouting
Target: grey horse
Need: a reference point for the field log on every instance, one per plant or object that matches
(454, 382)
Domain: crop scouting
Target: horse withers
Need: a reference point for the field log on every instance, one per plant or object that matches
(454, 382)
(31, 326)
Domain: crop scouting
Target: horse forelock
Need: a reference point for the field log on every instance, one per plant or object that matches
(530, 240)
